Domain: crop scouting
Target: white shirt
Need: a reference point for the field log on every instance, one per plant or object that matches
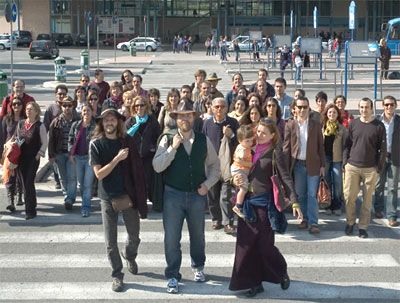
(303, 136)
(389, 126)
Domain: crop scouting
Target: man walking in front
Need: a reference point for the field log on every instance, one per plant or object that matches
(191, 166)
(363, 159)
(118, 167)
(391, 169)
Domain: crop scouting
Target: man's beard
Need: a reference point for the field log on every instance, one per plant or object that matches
(110, 129)
(185, 127)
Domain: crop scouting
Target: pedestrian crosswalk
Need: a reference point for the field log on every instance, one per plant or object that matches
(61, 256)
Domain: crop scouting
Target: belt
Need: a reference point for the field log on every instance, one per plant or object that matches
(302, 162)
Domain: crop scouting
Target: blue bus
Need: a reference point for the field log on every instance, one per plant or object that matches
(392, 35)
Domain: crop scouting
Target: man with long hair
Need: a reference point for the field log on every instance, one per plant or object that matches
(118, 167)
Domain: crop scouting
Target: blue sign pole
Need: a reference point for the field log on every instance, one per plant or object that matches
(315, 14)
(345, 67)
(375, 79)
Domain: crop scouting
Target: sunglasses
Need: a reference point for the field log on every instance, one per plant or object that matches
(16, 103)
(300, 107)
(388, 104)
(140, 105)
(84, 80)
(67, 105)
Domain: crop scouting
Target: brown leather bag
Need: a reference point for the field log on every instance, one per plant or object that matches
(323, 194)
(121, 203)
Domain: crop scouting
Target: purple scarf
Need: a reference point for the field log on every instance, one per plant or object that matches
(260, 149)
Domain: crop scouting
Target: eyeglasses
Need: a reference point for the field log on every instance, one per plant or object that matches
(16, 104)
(140, 105)
(300, 107)
(271, 105)
(67, 105)
(219, 106)
(389, 104)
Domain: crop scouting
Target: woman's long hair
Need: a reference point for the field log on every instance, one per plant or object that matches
(325, 114)
(245, 120)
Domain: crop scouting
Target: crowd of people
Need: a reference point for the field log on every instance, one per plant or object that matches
(197, 150)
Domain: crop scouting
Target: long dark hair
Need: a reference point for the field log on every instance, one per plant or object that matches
(278, 108)
(11, 113)
(325, 114)
(99, 131)
(245, 120)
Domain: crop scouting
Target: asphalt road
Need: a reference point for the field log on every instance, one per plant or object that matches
(61, 256)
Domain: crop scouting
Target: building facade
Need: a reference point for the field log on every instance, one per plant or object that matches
(164, 18)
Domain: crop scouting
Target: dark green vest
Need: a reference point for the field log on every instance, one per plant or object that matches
(187, 172)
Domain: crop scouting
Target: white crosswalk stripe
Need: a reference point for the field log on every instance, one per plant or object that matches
(73, 247)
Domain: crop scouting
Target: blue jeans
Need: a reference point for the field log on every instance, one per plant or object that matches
(85, 175)
(298, 73)
(333, 176)
(390, 173)
(179, 205)
(337, 58)
(306, 189)
(67, 173)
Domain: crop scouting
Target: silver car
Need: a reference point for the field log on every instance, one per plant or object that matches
(5, 42)
(141, 43)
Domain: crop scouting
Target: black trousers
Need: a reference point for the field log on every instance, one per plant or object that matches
(27, 172)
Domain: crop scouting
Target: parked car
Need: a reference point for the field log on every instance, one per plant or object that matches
(81, 40)
(43, 49)
(24, 38)
(118, 39)
(5, 42)
(62, 39)
(43, 37)
(142, 43)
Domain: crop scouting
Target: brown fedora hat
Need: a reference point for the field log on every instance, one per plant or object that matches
(213, 77)
(184, 107)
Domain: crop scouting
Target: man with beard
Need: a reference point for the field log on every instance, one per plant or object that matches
(191, 166)
(117, 165)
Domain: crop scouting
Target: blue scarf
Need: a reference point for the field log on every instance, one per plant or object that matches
(139, 121)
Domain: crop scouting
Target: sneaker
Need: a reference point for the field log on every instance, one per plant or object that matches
(362, 233)
(130, 264)
(172, 286)
(58, 186)
(238, 211)
(199, 276)
(85, 213)
(117, 284)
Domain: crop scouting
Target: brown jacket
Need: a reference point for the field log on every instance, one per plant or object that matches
(315, 154)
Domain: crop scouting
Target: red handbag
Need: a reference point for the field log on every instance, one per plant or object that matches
(324, 194)
(280, 200)
(14, 151)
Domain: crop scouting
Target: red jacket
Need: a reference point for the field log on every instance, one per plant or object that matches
(6, 105)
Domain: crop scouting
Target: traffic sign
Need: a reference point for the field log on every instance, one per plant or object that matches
(315, 14)
(7, 12)
(88, 17)
(14, 12)
(352, 15)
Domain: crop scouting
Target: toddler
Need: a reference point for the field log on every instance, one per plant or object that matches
(242, 162)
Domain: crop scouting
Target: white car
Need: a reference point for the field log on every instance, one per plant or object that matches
(5, 42)
(142, 43)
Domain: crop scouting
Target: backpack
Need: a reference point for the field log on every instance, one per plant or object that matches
(159, 178)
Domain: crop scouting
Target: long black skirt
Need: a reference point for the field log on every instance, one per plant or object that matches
(256, 258)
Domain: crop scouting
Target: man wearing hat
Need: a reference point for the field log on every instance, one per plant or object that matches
(213, 80)
(118, 167)
(58, 150)
(191, 166)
